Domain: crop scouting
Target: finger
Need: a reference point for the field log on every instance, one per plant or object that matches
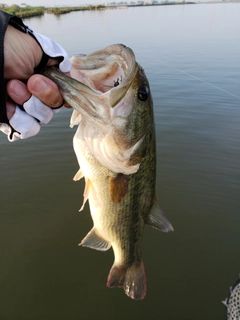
(33, 106)
(37, 109)
(52, 62)
(55, 62)
(11, 108)
(45, 90)
(18, 91)
(25, 125)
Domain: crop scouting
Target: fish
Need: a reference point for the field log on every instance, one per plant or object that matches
(115, 146)
(232, 302)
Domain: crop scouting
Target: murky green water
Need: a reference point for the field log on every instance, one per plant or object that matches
(191, 55)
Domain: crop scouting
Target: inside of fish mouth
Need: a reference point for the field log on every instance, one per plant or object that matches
(110, 82)
(106, 77)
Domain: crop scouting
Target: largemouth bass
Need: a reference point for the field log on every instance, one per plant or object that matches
(115, 147)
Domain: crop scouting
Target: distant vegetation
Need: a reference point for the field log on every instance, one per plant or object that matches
(23, 12)
(28, 11)
(58, 11)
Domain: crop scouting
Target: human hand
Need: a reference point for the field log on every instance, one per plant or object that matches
(22, 55)
(37, 86)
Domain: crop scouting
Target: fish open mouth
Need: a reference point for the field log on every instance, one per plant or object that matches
(103, 76)
(105, 69)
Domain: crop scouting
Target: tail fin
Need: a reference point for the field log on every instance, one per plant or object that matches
(131, 279)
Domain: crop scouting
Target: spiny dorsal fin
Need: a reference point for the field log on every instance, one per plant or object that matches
(157, 220)
(118, 187)
(94, 241)
(78, 175)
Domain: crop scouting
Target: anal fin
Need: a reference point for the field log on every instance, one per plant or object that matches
(157, 220)
(94, 241)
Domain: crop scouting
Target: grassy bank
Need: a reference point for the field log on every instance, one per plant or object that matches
(59, 11)
(37, 11)
(29, 11)
(24, 12)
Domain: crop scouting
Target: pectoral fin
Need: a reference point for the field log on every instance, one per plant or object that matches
(157, 220)
(118, 187)
(78, 175)
(75, 119)
(94, 241)
(86, 192)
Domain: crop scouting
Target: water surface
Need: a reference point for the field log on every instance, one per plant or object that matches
(191, 55)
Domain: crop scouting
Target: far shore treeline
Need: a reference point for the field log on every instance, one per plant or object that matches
(28, 11)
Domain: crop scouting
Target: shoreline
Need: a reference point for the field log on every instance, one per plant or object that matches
(30, 12)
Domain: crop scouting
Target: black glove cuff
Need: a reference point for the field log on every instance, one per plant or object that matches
(42, 63)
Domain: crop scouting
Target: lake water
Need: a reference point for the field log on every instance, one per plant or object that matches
(191, 55)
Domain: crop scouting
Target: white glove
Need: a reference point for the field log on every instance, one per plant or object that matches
(53, 50)
(27, 123)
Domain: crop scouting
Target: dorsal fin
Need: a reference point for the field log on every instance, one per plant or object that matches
(118, 187)
(157, 220)
(94, 241)
(78, 175)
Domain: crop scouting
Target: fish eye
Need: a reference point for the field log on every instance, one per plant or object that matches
(143, 93)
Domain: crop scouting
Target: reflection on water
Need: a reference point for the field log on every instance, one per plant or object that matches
(192, 60)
